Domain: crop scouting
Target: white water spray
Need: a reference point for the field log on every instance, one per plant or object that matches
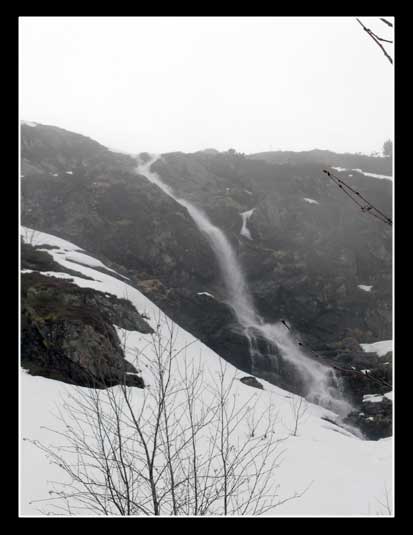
(319, 379)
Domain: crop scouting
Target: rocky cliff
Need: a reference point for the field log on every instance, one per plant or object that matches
(67, 332)
(311, 256)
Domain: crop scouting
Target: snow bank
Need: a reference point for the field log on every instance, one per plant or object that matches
(38, 238)
(374, 175)
(311, 201)
(81, 258)
(340, 169)
(372, 398)
(381, 348)
(344, 475)
(364, 287)
(205, 293)
(245, 217)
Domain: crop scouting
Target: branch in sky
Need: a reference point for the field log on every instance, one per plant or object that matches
(387, 22)
(376, 39)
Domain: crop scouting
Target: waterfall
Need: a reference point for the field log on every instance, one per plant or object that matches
(320, 380)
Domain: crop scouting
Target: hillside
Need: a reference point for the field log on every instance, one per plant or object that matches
(340, 473)
(369, 164)
(310, 256)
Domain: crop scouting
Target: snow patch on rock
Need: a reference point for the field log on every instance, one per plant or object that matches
(364, 287)
(310, 201)
(381, 348)
(245, 217)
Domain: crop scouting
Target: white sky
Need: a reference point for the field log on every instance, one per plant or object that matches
(163, 84)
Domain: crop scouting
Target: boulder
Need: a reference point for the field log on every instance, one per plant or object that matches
(252, 381)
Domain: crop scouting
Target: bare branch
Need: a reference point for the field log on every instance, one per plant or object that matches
(376, 39)
(387, 22)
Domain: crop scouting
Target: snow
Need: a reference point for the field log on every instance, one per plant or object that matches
(66, 254)
(345, 476)
(28, 123)
(372, 398)
(374, 175)
(245, 217)
(340, 169)
(381, 348)
(376, 398)
(81, 258)
(205, 293)
(364, 287)
(311, 201)
(38, 238)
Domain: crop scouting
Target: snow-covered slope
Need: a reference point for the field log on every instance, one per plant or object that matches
(344, 474)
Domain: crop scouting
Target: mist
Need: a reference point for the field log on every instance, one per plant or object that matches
(162, 84)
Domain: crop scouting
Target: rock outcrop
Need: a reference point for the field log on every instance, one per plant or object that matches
(67, 333)
(252, 381)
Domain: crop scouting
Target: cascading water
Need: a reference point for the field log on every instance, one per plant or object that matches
(320, 380)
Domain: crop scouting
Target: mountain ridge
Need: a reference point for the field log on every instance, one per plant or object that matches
(304, 261)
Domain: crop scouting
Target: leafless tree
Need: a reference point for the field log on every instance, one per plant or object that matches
(30, 236)
(386, 508)
(187, 444)
(299, 407)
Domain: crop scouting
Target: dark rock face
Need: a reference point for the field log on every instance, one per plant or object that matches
(124, 218)
(252, 381)
(305, 261)
(209, 319)
(67, 333)
(374, 419)
(365, 373)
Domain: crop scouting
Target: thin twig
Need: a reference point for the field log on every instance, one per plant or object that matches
(365, 206)
(387, 22)
(376, 39)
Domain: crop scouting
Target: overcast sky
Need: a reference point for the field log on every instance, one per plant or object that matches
(162, 84)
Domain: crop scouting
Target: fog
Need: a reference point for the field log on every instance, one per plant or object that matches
(161, 84)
